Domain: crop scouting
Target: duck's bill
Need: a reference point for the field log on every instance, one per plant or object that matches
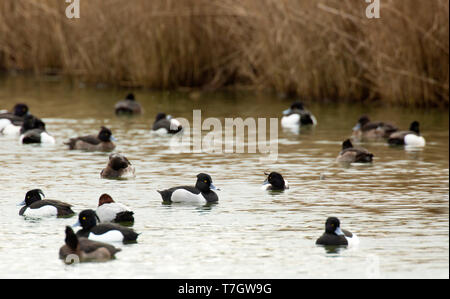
(212, 187)
(287, 111)
(357, 127)
(22, 203)
(266, 182)
(76, 224)
(338, 232)
(169, 117)
(112, 138)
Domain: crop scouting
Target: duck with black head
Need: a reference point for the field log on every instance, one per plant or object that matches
(128, 106)
(202, 192)
(110, 211)
(335, 236)
(118, 167)
(85, 250)
(33, 131)
(350, 154)
(367, 130)
(10, 123)
(165, 124)
(409, 138)
(275, 182)
(103, 232)
(35, 206)
(102, 142)
(297, 115)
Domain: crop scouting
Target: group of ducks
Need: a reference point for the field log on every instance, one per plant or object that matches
(110, 221)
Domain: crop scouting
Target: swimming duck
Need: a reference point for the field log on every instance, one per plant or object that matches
(118, 167)
(35, 206)
(10, 123)
(102, 142)
(335, 236)
(103, 232)
(85, 250)
(110, 211)
(202, 192)
(296, 115)
(165, 124)
(408, 138)
(275, 181)
(33, 131)
(350, 154)
(365, 129)
(128, 106)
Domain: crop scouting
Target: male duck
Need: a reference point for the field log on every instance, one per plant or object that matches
(165, 124)
(103, 232)
(297, 115)
(365, 129)
(85, 250)
(35, 206)
(202, 192)
(275, 182)
(33, 131)
(128, 106)
(350, 154)
(110, 211)
(118, 167)
(409, 138)
(102, 142)
(335, 236)
(10, 123)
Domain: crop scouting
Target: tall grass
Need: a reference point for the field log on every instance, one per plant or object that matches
(313, 48)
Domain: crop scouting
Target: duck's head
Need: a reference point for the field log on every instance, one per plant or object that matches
(333, 226)
(362, 121)
(20, 109)
(204, 183)
(347, 144)
(118, 161)
(31, 122)
(32, 196)
(296, 106)
(130, 97)
(276, 180)
(105, 198)
(414, 127)
(105, 135)
(87, 219)
(160, 116)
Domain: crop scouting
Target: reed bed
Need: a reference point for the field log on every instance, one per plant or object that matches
(312, 48)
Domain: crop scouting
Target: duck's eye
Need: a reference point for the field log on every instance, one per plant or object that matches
(28, 196)
(84, 218)
(332, 224)
(205, 181)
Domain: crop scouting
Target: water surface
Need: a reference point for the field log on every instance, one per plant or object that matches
(398, 206)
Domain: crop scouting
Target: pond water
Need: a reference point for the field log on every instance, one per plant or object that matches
(398, 205)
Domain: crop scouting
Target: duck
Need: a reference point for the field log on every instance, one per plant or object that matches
(165, 124)
(103, 232)
(335, 236)
(79, 249)
(10, 123)
(102, 142)
(128, 106)
(200, 193)
(118, 167)
(110, 211)
(365, 129)
(409, 138)
(33, 131)
(296, 115)
(35, 206)
(275, 182)
(350, 154)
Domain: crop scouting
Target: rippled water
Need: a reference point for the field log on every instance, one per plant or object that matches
(398, 206)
